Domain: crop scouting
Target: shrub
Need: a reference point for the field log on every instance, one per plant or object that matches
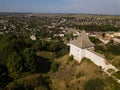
(11, 86)
(54, 66)
(108, 56)
(95, 40)
(94, 84)
(17, 85)
(70, 58)
(99, 48)
(79, 74)
(117, 74)
(86, 59)
(14, 75)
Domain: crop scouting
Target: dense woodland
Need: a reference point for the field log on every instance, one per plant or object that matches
(18, 56)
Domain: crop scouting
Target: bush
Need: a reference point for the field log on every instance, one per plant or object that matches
(54, 66)
(14, 62)
(17, 85)
(113, 48)
(94, 84)
(4, 77)
(108, 56)
(86, 60)
(99, 48)
(95, 40)
(11, 86)
(14, 75)
(79, 74)
(117, 74)
(70, 58)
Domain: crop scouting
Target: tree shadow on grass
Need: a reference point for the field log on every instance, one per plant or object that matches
(43, 65)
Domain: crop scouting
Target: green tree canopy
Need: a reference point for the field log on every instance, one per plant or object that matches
(30, 59)
(14, 62)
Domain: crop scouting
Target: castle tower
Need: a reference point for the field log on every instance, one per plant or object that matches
(79, 45)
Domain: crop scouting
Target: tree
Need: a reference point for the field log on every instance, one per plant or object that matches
(44, 45)
(15, 86)
(6, 47)
(95, 40)
(37, 46)
(53, 46)
(14, 63)
(113, 48)
(29, 59)
(4, 78)
(99, 48)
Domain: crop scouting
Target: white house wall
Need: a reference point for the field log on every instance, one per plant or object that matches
(98, 60)
(76, 52)
(79, 53)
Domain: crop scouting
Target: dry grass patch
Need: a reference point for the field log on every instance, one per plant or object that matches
(74, 74)
(45, 54)
(116, 61)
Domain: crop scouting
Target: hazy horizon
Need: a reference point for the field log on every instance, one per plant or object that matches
(105, 7)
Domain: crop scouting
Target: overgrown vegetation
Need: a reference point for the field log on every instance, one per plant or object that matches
(117, 74)
(111, 51)
(18, 55)
(86, 59)
(54, 66)
(110, 48)
(95, 40)
(70, 58)
(94, 84)
(80, 74)
(36, 82)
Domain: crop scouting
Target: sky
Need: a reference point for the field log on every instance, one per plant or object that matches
(62, 6)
